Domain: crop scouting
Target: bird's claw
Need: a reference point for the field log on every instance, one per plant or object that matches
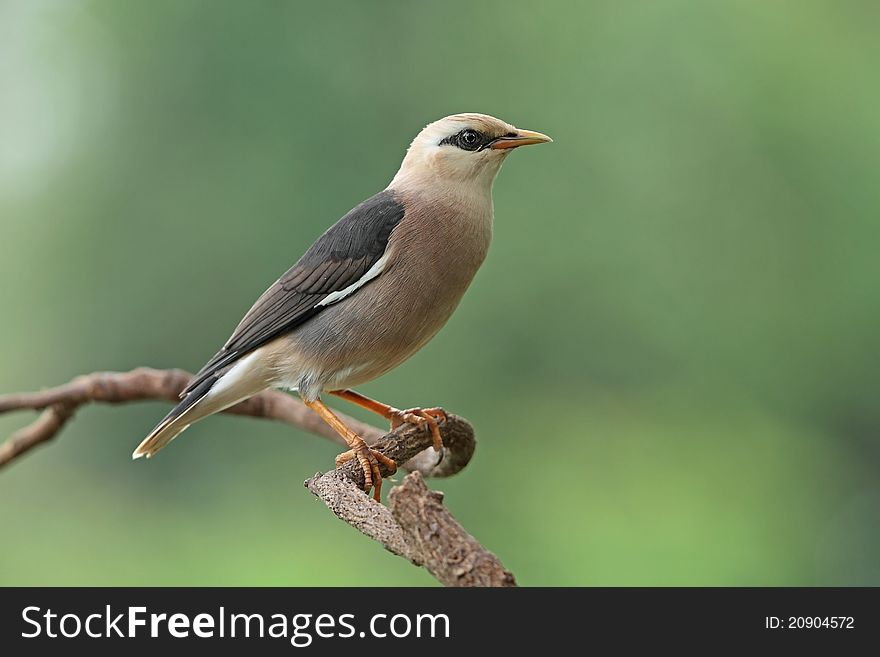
(423, 418)
(369, 460)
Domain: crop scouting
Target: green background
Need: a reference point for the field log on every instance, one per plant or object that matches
(670, 355)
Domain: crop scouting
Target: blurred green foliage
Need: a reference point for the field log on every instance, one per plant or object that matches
(670, 354)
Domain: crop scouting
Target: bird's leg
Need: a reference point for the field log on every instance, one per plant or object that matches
(368, 458)
(423, 418)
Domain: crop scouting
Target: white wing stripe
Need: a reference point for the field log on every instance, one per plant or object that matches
(374, 271)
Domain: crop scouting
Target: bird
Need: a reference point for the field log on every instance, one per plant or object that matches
(370, 292)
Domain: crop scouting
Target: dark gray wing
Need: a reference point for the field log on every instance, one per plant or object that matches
(338, 259)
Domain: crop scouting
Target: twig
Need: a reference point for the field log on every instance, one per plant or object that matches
(59, 405)
(445, 549)
(341, 489)
(416, 526)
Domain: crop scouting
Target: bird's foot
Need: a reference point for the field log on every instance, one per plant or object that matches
(423, 418)
(369, 460)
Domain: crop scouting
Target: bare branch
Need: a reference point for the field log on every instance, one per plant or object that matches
(347, 500)
(407, 441)
(59, 405)
(445, 549)
(416, 526)
(47, 425)
(341, 489)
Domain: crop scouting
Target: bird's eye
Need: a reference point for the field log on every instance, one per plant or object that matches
(469, 137)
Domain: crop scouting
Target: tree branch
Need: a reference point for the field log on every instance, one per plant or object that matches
(448, 552)
(59, 404)
(416, 526)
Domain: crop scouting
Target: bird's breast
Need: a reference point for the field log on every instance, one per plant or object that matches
(445, 234)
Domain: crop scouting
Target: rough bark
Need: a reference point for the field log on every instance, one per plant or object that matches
(416, 525)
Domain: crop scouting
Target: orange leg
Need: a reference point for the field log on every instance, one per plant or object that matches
(368, 458)
(423, 418)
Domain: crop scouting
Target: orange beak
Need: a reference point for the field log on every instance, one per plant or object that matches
(522, 138)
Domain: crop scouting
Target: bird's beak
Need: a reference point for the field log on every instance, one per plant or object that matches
(522, 138)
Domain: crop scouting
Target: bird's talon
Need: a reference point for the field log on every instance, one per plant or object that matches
(424, 419)
(369, 460)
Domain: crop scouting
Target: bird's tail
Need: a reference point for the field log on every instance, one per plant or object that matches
(212, 395)
(201, 402)
(163, 434)
(193, 407)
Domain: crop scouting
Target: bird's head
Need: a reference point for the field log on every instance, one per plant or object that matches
(463, 148)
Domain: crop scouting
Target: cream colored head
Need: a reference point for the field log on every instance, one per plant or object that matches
(462, 149)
